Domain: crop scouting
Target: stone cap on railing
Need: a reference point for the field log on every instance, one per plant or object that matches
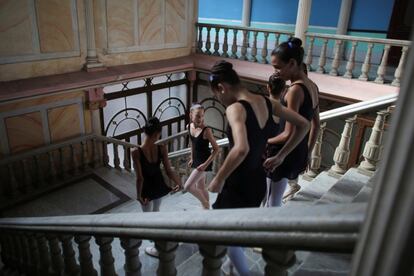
(290, 33)
(334, 227)
(393, 42)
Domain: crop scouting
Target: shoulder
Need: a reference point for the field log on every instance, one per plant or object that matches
(295, 91)
(136, 153)
(235, 108)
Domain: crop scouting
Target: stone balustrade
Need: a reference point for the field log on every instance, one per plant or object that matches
(338, 55)
(44, 245)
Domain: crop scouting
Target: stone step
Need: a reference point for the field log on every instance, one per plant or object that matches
(316, 188)
(346, 188)
(324, 264)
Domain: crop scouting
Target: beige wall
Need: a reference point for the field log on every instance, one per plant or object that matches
(31, 123)
(46, 37)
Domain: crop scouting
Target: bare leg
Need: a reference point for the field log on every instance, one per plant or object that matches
(191, 183)
(201, 186)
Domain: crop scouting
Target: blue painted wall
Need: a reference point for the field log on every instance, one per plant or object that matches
(325, 13)
(277, 11)
(371, 14)
(221, 9)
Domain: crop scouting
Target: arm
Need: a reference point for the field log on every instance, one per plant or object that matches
(294, 99)
(236, 116)
(209, 135)
(302, 127)
(140, 178)
(313, 134)
(166, 162)
(190, 162)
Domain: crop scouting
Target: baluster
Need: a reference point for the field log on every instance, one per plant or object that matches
(63, 169)
(341, 155)
(367, 63)
(85, 159)
(234, 45)
(212, 256)
(351, 61)
(13, 249)
(400, 68)
(336, 60)
(127, 162)
(383, 65)
(132, 265)
(166, 252)
(44, 255)
(14, 185)
(105, 154)
(316, 156)
(277, 37)
(244, 46)
(264, 49)
(20, 252)
(39, 170)
(71, 267)
(254, 47)
(200, 39)
(208, 43)
(277, 261)
(55, 255)
(34, 254)
(309, 57)
(322, 58)
(27, 262)
(106, 259)
(225, 44)
(6, 251)
(52, 167)
(27, 177)
(75, 164)
(216, 42)
(96, 155)
(373, 148)
(116, 157)
(85, 256)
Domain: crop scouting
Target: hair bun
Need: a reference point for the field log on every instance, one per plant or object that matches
(222, 66)
(295, 41)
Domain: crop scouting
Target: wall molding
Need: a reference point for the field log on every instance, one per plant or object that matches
(43, 109)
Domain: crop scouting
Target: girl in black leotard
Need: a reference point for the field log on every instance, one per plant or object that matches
(201, 156)
(241, 180)
(301, 97)
(150, 183)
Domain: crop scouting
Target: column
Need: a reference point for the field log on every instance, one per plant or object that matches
(302, 19)
(92, 62)
(247, 9)
(343, 20)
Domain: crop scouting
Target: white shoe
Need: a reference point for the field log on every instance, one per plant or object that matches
(152, 251)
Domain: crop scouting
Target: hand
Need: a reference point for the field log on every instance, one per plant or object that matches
(273, 162)
(202, 167)
(143, 201)
(215, 185)
(190, 163)
(176, 188)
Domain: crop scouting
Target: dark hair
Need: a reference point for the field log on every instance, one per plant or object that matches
(290, 49)
(152, 126)
(276, 85)
(222, 71)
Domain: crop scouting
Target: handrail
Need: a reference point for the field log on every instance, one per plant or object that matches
(393, 42)
(296, 227)
(172, 137)
(243, 28)
(356, 108)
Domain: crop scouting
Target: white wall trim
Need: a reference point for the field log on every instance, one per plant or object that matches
(35, 29)
(220, 20)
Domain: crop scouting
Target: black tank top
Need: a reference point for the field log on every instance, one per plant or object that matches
(246, 186)
(201, 150)
(154, 185)
(296, 161)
